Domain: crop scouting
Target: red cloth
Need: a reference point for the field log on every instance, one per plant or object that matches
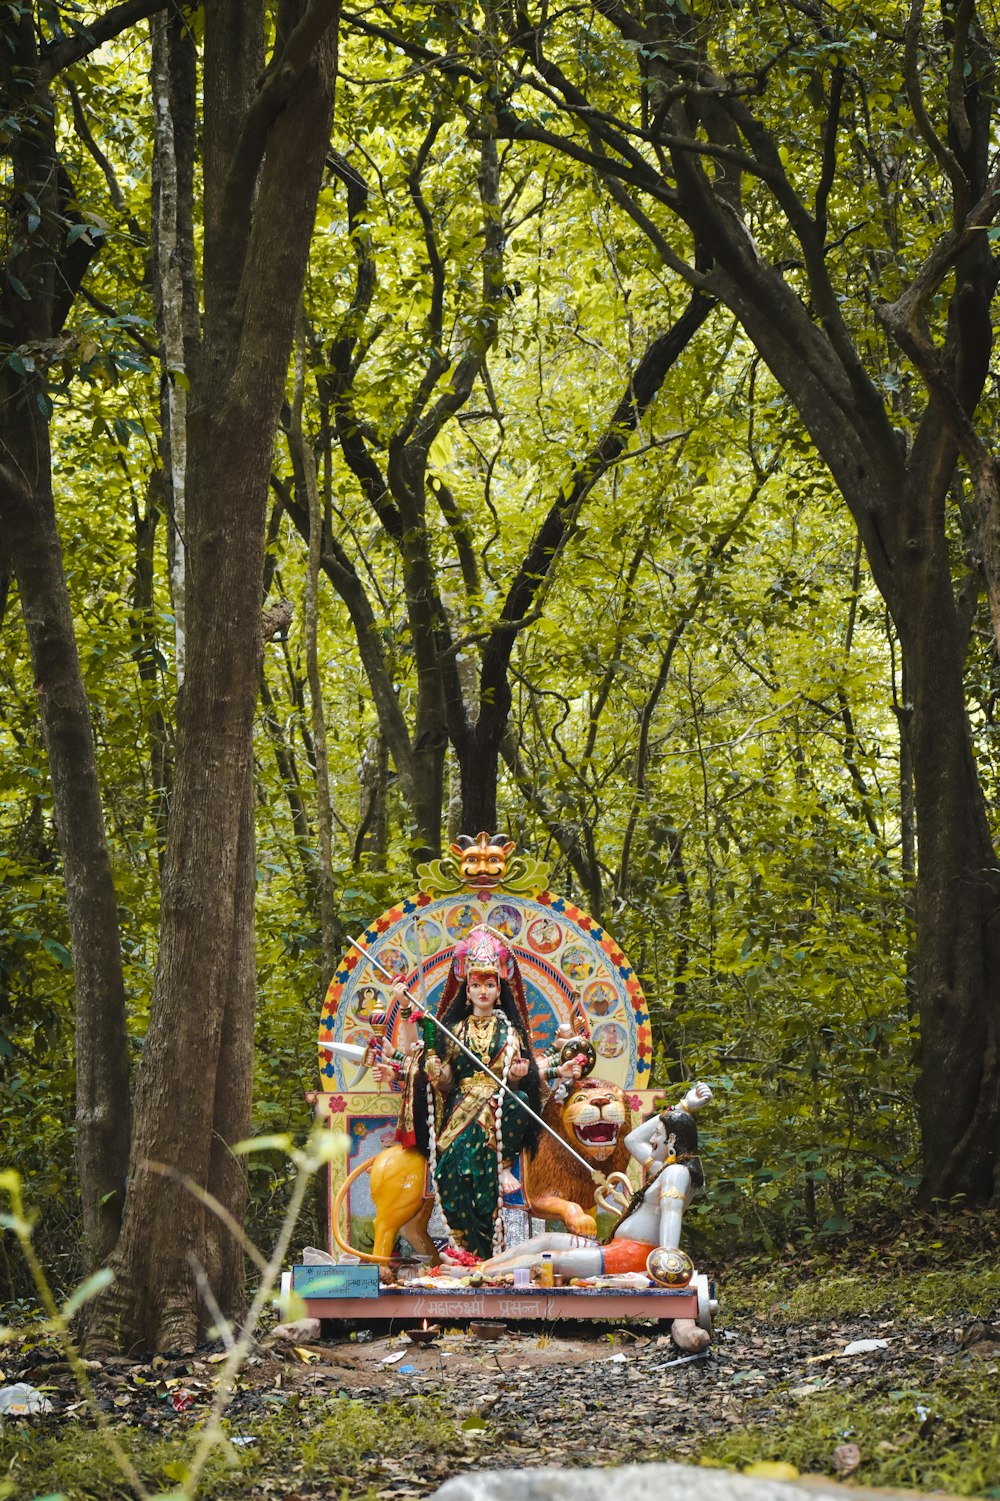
(626, 1255)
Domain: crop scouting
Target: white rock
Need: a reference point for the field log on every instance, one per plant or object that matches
(299, 1332)
(650, 1482)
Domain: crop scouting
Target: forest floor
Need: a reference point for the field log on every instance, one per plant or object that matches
(379, 1418)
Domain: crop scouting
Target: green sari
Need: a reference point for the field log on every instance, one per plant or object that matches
(466, 1174)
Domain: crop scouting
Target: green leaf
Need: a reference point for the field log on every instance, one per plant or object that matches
(277, 1143)
(59, 952)
(94, 1284)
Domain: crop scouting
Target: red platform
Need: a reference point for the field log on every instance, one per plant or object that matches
(540, 1305)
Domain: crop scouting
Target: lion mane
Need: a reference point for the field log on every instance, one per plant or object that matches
(582, 1120)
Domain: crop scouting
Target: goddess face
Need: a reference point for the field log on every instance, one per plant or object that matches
(484, 992)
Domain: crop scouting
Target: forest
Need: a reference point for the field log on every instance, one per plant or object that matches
(432, 416)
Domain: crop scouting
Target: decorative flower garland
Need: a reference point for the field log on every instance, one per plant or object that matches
(510, 1048)
(432, 1161)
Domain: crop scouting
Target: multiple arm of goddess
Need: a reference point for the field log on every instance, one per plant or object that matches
(470, 1103)
(439, 1072)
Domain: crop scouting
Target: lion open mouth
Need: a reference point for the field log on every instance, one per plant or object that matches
(598, 1133)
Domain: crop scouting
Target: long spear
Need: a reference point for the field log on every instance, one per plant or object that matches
(596, 1176)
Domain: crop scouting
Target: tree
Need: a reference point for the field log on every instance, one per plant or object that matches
(589, 578)
(392, 393)
(266, 132)
(807, 174)
(49, 248)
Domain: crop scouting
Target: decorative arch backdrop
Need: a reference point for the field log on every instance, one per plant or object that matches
(569, 964)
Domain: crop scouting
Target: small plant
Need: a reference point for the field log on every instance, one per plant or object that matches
(320, 1147)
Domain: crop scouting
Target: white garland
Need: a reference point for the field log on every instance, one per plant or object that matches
(510, 1048)
(432, 1160)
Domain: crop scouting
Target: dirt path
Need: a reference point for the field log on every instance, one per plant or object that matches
(571, 1396)
(548, 1398)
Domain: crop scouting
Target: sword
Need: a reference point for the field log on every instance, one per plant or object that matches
(352, 1052)
(349, 1050)
(595, 1174)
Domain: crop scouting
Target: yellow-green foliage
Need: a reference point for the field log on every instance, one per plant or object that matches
(949, 1287)
(915, 1293)
(339, 1443)
(944, 1438)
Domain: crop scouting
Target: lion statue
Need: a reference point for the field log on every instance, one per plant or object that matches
(593, 1120)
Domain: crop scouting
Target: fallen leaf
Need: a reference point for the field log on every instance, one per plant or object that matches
(771, 1469)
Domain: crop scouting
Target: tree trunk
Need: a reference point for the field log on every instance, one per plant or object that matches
(204, 976)
(28, 525)
(146, 655)
(958, 905)
(41, 276)
(234, 1075)
(265, 136)
(324, 802)
(173, 80)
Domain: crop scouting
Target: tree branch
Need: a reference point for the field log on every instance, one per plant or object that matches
(914, 93)
(68, 50)
(643, 386)
(342, 574)
(715, 552)
(280, 80)
(419, 54)
(829, 167)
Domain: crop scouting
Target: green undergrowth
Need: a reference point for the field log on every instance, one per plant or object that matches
(939, 1437)
(48, 1458)
(351, 1450)
(908, 1435)
(933, 1267)
(944, 1437)
(791, 1296)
